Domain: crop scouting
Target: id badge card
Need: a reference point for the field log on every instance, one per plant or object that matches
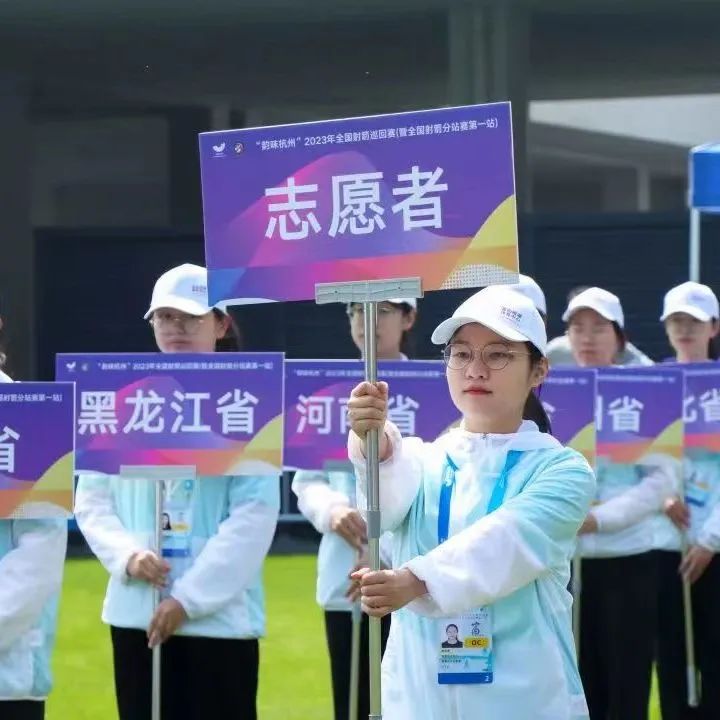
(465, 654)
(697, 490)
(177, 526)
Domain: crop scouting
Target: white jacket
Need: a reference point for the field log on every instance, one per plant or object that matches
(515, 560)
(32, 557)
(234, 520)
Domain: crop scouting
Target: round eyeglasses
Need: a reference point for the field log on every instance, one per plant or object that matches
(165, 321)
(495, 356)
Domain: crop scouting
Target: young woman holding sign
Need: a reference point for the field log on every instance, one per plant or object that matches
(327, 500)
(213, 614)
(32, 557)
(484, 521)
(690, 314)
(619, 570)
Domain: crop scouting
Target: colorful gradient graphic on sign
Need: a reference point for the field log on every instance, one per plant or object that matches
(37, 443)
(221, 413)
(316, 393)
(426, 194)
(568, 396)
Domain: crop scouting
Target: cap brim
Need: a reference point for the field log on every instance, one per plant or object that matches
(698, 314)
(412, 302)
(569, 313)
(178, 303)
(446, 329)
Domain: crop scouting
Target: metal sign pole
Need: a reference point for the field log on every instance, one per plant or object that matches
(693, 686)
(695, 248)
(369, 293)
(355, 662)
(372, 461)
(158, 475)
(156, 656)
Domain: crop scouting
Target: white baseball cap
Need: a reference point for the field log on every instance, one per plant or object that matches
(412, 302)
(691, 298)
(601, 301)
(183, 288)
(502, 309)
(528, 287)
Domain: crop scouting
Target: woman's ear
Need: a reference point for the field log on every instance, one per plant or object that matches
(221, 326)
(539, 372)
(715, 327)
(409, 319)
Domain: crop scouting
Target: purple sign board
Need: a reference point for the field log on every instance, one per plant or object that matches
(37, 444)
(639, 412)
(222, 413)
(316, 395)
(426, 194)
(568, 396)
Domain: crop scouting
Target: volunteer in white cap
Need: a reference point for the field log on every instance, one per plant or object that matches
(560, 351)
(690, 313)
(618, 601)
(213, 612)
(32, 558)
(327, 500)
(484, 521)
(595, 328)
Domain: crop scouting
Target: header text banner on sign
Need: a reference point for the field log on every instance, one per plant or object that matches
(316, 395)
(426, 194)
(37, 442)
(568, 397)
(222, 413)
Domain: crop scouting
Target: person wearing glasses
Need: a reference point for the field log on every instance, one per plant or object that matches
(484, 521)
(618, 540)
(327, 500)
(212, 613)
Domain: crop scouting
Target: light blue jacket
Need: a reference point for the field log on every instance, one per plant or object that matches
(515, 560)
(319, 493)
(32, 555)
(629, 507)
(220, 587)
(701, 470)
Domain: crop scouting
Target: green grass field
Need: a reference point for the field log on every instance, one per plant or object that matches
(294, 672)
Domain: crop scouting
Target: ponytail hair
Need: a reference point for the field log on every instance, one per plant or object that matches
(230, 342)
(534, 409)
(714, 343)
(712, 350)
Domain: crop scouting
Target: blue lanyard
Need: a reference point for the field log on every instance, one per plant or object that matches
(448, 485)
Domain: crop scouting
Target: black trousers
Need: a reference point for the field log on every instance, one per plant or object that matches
(201, 677)
(338, 629)
(618, 618)
(22, 710)
(671, 658)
